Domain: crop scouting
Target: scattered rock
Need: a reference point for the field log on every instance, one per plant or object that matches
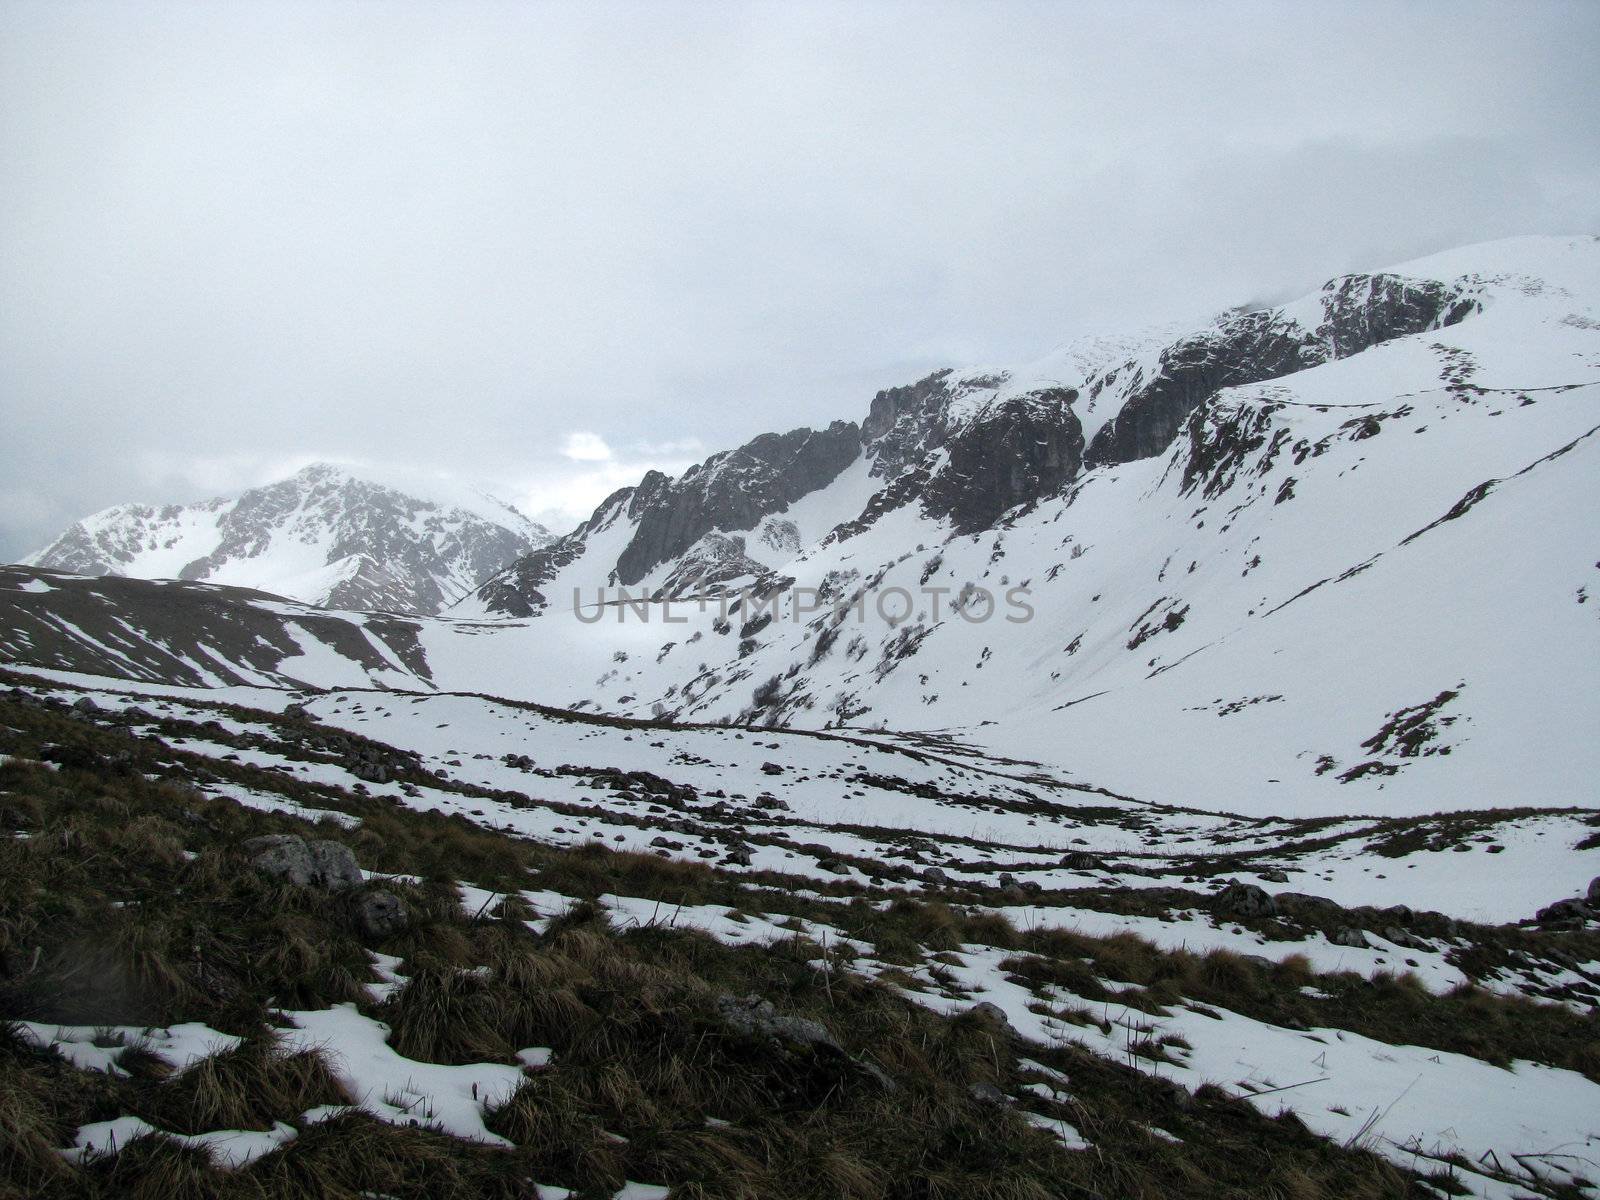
(1302, 902)
(1346, 935)
(666, 843)
(751, 1016)
(936, 875)
(321, 864)
(1401, 938)
(737, 857)
(381, 914)
(85, 704)
(1079, 861)
(833, 865)
(1564, 910)
(1247, 900)
(1275, 876)
(991, 1014)
(1593, 895)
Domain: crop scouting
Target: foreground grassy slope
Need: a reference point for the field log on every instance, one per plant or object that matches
(127, 901)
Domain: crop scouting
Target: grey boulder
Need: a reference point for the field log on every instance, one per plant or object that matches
(320, 864)
(1247, 900)
(1347, 935)
(381, 914)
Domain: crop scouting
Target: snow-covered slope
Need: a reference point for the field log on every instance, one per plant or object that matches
(1356, 578)
(327, 535)
(1359, 577)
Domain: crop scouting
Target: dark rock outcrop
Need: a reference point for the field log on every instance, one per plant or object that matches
(731, 491)
(1358, 312)
(1019, 451)
(1005, 453)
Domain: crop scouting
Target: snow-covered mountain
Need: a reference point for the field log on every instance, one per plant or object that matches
(1090, 654)
(1333, 557)
(328, 535)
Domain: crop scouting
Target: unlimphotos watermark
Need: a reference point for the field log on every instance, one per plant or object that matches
(972, 603)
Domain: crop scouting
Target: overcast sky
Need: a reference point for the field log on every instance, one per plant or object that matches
(550, 245)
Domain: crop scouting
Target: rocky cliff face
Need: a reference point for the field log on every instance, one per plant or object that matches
(731, 491)
(1356, 313)
(1015, 452)
(326, 536)
(969, 450)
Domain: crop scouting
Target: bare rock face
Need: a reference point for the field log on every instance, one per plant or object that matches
(716, 559)
(319, 864)
(731, 491)
(1011, 450)
(728, 492)
(1358, 312)
(1022, 450)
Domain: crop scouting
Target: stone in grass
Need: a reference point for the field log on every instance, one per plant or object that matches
(754, 1018)
(381, 914)
(321, 864)
(991, 1014)
(1247, 900)
(751, 1016)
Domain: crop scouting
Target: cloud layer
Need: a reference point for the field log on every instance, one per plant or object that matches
(552, 245)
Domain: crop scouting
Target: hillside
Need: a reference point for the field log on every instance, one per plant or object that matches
(504, 979)
(1163, 769)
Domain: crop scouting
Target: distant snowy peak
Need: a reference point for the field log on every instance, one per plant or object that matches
(328, 535)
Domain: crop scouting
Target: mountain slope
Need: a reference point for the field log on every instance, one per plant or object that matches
(1267, 612)
(327, 535)
(1365, 586)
